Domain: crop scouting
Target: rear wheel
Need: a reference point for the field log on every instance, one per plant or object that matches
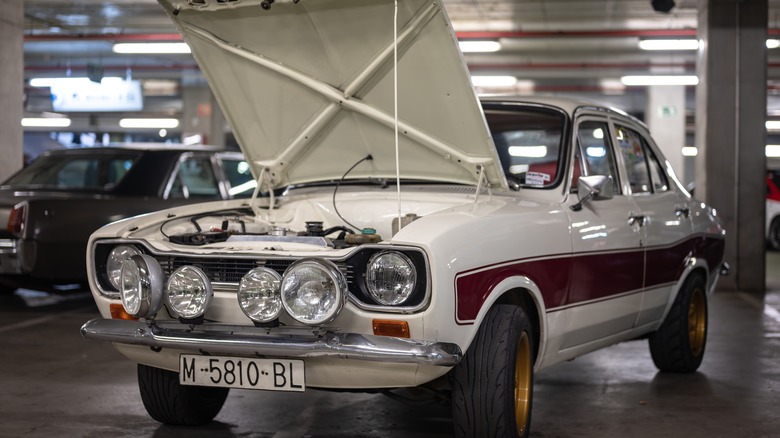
(678, 345)
(774, 234)
(169, 402)
(492, 387)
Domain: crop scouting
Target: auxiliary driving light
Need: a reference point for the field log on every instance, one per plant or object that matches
(313, 291)
(141, 285)
(390, 277)
(116, 257)
(188, 292)
(259, 296)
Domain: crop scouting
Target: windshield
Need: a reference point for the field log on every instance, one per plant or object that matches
(96, 172)
(529, 143)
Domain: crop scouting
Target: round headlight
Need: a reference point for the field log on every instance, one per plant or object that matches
(188, 292)
(258, 295)
(313, 291)
(141, 284)
(116, 257)
(390, 277)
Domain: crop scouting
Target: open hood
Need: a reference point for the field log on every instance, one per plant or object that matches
(307, 86)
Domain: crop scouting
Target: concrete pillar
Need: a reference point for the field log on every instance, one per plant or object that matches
(202, 115)
(730, 131)
(11, 86)
(665, 116)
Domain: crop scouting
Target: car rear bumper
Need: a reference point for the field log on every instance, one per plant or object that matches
(241, 340)
(11, 257)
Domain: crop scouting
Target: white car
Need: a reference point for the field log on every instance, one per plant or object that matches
(499, 237)
(773, 209)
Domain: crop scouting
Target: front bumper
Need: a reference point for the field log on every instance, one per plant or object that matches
(242, 340)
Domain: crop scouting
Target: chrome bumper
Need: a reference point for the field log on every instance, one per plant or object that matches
(239, 340)
(10, 257)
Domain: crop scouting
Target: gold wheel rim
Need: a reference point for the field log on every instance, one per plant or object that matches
(697, 321)
(523, 371)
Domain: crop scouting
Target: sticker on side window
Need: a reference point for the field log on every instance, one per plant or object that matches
(537, 178)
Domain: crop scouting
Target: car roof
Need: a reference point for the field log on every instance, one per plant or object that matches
(568, 104)
(112, 148)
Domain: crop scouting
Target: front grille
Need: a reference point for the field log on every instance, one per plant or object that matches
(227, 270)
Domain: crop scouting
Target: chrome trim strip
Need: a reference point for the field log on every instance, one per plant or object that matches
(240, 340)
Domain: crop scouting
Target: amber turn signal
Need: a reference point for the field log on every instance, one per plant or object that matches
(388, 327)
(118, 312)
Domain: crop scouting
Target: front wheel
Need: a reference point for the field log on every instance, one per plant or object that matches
(678, 345)
(774, 234)
(169, 402)
(492, 387)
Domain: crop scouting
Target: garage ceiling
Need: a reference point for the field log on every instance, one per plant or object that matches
(559, 46)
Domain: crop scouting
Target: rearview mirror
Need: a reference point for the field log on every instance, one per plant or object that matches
(594, 187)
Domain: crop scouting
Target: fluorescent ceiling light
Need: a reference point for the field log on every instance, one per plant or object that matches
(494, 81)
(151, 48)
(149, 123)
(596, 151)
(528, 151)
(689, 151)
(479, 46)
(48, 82)
(772, 44)
(46, 122)
(659, 80)
(773, 125)
(773, 150)
(663, 44)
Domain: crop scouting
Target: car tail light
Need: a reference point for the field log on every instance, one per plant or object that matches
(17, 219)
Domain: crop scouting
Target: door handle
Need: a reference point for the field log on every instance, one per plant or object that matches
(636, 219)
(682, 211)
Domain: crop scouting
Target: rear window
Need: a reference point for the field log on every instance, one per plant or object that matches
(529, 142)
(98, 172)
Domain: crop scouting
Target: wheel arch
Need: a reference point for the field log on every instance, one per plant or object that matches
(520, 291)
(695, 266)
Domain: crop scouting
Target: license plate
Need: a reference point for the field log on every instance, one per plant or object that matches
(238, 372)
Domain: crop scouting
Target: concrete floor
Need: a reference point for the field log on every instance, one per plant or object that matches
(54, 383)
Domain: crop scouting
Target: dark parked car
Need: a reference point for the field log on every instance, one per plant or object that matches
(52, 206)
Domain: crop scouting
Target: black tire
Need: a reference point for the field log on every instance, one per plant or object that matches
(492, 387)
(169, 402)
(774, 234)
(678, 345)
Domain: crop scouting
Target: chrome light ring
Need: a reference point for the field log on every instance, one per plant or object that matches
(259, 295)
(141, 286)
(188, 292)
(391, 278)
(313, 291)
(116, 257)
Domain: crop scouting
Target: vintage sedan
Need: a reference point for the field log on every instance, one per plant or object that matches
(457, 246)
(50, 208)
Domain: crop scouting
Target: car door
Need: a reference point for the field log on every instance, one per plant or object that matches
(608, 263)
(664, 216)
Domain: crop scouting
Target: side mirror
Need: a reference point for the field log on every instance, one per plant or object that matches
(594, 187)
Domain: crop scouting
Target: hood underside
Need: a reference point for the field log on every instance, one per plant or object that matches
(308, 88)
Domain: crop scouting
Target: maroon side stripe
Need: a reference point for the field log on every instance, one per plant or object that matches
(567, 280)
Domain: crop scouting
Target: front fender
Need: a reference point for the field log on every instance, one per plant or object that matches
(514, 287)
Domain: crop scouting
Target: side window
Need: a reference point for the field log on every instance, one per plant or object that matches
(657, 175)
(633, 151)
(593, 155)
(195, 180)
(239, 176)
(79, 173)
(644, 170)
